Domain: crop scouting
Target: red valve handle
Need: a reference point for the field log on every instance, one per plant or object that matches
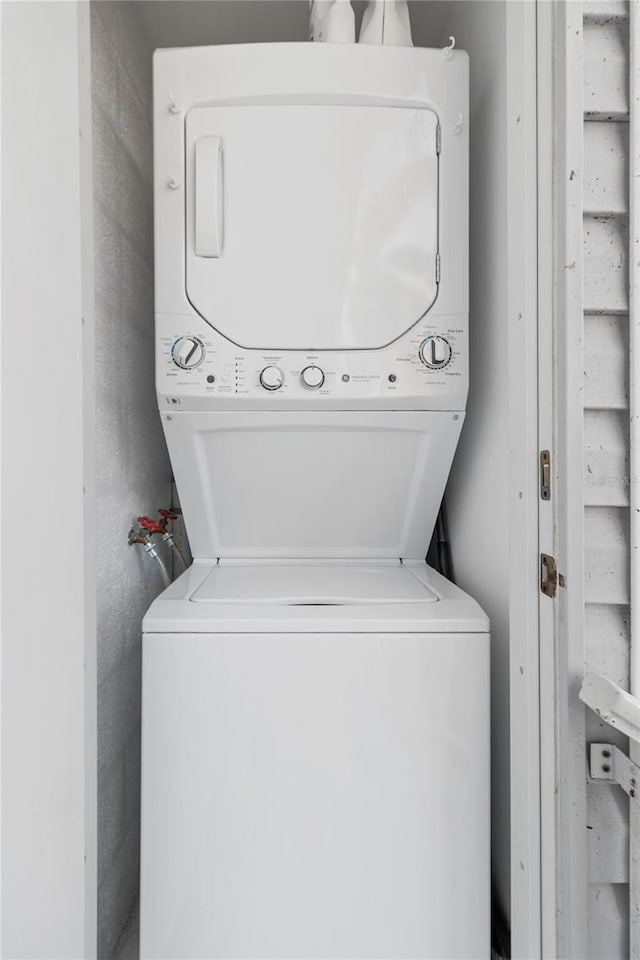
(150, 524)
(167, 514)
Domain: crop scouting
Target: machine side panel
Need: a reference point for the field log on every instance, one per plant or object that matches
(315, 795)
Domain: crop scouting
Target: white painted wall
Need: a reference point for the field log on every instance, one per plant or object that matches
(48, 635)
(132, 467)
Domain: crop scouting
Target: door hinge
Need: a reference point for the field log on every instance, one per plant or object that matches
(548, 575)
(438, 140)
(437, 268)
(545, 475)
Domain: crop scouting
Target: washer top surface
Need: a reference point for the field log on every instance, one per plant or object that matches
(313, 596)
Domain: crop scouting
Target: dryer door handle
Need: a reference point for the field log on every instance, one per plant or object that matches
(208, 196)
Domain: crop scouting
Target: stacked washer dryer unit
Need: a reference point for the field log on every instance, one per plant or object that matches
(315, 698)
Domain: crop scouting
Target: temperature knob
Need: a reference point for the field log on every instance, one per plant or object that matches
(272, 378)
(435, 352)
(187, 352)
(312, 377)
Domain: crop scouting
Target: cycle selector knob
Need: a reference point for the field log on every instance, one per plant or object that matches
(271, 378)
(187, 352)
(435, 352)
(312, 377)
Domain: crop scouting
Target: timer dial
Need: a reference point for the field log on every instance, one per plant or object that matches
(435, 352)
(187, 352)
(272, 378)
(312, 377)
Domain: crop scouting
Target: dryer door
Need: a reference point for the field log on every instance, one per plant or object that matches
(311, 227)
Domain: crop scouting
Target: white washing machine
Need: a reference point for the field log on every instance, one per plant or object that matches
(315, 698)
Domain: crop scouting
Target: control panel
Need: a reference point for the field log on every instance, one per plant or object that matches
(197, 368)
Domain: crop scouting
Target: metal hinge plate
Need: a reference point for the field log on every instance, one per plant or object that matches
(548, 575)
(606, 762)
(438, 140)
(437, 268)
(545, 475)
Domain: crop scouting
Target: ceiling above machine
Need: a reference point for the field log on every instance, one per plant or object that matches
(311, 226)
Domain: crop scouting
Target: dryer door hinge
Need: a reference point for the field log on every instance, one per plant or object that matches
(437, 268)
(438, 140)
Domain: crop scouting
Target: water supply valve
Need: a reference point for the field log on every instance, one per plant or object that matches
(161, 526)
(166, 535)
(142, 536)
(151, 525)
(166, 516)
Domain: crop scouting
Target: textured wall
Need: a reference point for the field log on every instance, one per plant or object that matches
(133, 470)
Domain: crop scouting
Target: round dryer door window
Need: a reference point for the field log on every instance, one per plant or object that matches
(311, 227)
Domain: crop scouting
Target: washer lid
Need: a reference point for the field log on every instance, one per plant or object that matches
(311, 226)
(312, 584)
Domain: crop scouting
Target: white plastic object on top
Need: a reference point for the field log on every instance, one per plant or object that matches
(332, 21)
(386, 22)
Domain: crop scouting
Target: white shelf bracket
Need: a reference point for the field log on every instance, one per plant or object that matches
(606, 762)
(612, 704)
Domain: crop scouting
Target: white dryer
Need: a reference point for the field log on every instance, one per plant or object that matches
(315, 699)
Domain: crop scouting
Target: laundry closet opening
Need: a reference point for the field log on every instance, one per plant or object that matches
(134, 475)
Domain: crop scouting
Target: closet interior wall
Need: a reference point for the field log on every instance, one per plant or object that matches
(132, 467)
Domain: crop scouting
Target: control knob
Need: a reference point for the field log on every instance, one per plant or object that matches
(312, 377)
(272, 378)
(187, 352)
(435, 352)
